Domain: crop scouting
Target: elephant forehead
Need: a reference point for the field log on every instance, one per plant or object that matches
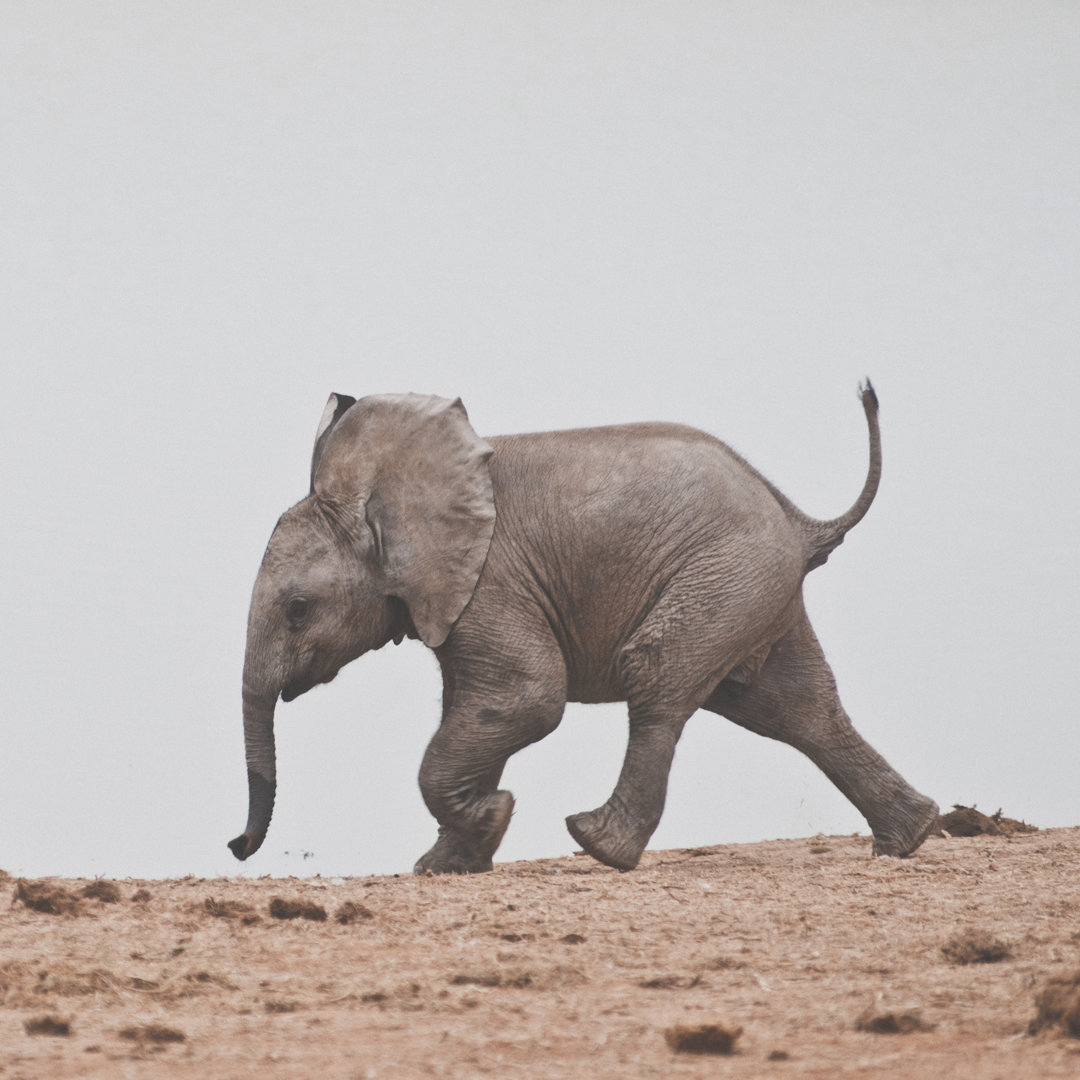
(302, 541)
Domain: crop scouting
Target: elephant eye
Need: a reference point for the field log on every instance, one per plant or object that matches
(296, 610)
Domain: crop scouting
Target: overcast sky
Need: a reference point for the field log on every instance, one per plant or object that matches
(720, 213)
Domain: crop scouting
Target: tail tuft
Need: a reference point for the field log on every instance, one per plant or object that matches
(867, 395)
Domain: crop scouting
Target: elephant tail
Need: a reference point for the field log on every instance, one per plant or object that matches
(826, 536)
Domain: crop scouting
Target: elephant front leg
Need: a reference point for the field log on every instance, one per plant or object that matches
(459, 780)
(467, 847)
(617, 832)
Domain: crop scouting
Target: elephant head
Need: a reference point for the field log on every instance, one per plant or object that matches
(388, 543)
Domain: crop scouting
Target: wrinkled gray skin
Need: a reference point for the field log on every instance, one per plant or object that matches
(647, 563)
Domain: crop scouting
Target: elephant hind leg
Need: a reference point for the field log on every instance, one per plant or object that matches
(667, 670)
(617, 832)
(663, 673)
(793, 699)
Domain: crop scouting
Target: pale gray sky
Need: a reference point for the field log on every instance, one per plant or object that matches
(573, 213)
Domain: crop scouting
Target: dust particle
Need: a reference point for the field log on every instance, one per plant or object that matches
(702, 1039)
(976, 947)
(47, 1025)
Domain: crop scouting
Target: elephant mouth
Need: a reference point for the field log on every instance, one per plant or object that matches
(301, 686)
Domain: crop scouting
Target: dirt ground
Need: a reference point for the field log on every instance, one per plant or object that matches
(830, 962)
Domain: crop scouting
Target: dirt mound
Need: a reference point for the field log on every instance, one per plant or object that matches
(967, 821)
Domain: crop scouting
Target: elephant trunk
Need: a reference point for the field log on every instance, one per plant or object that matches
(262, 779)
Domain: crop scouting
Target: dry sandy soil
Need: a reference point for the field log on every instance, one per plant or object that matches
(830, 962)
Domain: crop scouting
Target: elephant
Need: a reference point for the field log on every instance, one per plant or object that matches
(646, 563)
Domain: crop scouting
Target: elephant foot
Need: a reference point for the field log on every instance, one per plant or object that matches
(460, 852)
(603, 837)
(907, 830)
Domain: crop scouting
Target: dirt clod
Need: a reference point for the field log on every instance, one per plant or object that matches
(349, 913)
(102, 890)
(296, 909)
(892, 1023)
(1058, 1005)
(47, 1025)
(976, 947)
(702, 1039)
(46, 898)
(152, 1033)
(55, 900)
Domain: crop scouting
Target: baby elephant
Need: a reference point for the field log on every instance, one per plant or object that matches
(646, 563)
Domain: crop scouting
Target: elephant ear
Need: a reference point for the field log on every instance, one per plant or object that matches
(413, 467)
(336, 406)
